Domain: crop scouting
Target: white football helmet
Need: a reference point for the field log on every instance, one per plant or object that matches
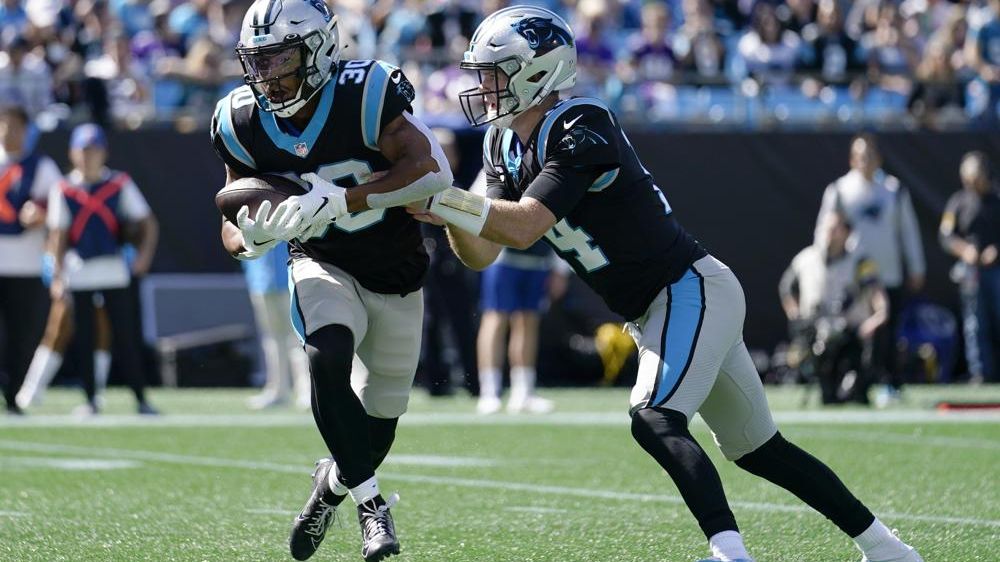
(533, 47)
(286, 38)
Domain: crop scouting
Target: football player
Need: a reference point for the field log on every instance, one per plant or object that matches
(356, 266)
(564, 169)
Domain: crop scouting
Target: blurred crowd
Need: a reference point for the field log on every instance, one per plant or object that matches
(932, 63)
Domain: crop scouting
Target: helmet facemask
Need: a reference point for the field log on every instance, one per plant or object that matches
(490, 102)
(268, 70)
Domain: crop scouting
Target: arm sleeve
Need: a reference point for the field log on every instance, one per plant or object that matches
(132, 205)
(913, 248)
(227, 144)
(58, 211)
(576, 158)
(387, 94)
(949, 218)
(46, 179)
(826, 207)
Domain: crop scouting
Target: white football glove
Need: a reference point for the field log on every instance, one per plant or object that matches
(263, 232)
(324, 203)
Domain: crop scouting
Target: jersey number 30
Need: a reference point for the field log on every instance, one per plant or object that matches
(566, 238)
(357, 171)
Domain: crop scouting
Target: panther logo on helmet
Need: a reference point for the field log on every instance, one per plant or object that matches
(541, 34)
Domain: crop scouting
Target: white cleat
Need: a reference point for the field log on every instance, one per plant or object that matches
(531, 405)
(487, 406)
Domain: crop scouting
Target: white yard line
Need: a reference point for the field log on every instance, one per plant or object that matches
(820, 417)
(445, 481)
(911, 439)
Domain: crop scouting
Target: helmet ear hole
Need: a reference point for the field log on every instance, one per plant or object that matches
(537, 77)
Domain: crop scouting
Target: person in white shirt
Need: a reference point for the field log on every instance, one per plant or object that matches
(885, 225)
(86, 217)
(25, 79)
(26, 178)
(833, 299)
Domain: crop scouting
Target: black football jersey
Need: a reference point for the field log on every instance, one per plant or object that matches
(381, 248)
(614, 227)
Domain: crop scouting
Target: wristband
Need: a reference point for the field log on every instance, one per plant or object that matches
(467, 211)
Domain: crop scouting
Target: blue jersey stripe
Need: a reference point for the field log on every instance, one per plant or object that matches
(371, 110)
(310, 135)
(604, 180)
(224, 116)
(543, 135)
(680, 335)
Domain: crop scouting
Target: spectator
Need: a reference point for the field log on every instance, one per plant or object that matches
(25, 79)
(833, 299)
(769, 51)
(595, 57)
(13, 19)
(26, 178)
(126, 82)
(828, 52)
(85, 217)
(970, 231)
(982, 52)
(795, 15)
(885, 225)
(890, 54)
(190, 20)
(697, 45)
(286, 366)
(650, 56)
(937, 98)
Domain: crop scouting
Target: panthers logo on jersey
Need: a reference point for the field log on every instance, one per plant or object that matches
(579, 139)
(541, 34)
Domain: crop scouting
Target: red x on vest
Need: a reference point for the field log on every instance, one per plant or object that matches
(8, 180)
(94, 203)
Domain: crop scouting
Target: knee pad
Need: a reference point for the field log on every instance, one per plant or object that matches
(330, 350)
(654, 424)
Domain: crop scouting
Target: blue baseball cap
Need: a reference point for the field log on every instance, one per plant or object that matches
(88, 135)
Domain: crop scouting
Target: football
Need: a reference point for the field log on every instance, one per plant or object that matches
(252, 191)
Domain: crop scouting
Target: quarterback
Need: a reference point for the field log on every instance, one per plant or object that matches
(564, 170)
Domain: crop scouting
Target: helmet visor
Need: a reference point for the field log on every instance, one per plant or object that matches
(274, 63)
(492, 99)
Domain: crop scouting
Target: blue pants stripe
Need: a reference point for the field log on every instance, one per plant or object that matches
(681, 328)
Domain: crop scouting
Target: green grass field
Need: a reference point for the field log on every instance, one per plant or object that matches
(212, 481)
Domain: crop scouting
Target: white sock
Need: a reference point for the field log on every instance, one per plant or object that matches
(522, 383)
(44, 365)
(490, 382)
(102, 366)
(365, 491)
(878, 543)
(335, 484)
(727, 546)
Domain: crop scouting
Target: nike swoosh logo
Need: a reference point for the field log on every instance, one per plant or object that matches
(569, 124)
(396, 76)
(293, 22)
(264, 242)
(320, 208)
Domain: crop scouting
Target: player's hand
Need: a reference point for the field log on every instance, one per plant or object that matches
(258, 238)
(419, 212)
(989, 255)
(324, 203)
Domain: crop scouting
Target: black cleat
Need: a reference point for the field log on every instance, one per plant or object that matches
(320, 511)
(377, 531)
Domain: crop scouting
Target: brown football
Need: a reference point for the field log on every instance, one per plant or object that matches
(254, 190)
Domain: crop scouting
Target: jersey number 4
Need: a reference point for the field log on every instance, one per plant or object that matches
(567, 238)
(357, 171)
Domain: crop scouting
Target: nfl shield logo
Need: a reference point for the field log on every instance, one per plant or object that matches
(301, 149)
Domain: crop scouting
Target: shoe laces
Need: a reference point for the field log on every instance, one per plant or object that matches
(377, 521)
(321, 519)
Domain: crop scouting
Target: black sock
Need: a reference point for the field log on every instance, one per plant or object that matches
(381, 432)
(664, 435)
(338, 412)
(810, 480)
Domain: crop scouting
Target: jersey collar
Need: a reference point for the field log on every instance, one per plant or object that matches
(301, 145)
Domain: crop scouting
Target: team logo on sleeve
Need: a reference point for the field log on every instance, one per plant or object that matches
(403, 86)
(578, 139)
